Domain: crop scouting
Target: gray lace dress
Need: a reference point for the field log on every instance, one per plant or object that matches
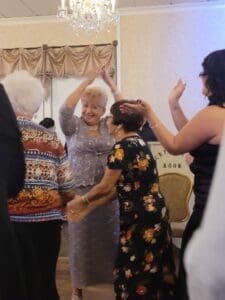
(94, 240)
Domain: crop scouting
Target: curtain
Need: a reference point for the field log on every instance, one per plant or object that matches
(18, 59)
(77, 61)
(56, 62)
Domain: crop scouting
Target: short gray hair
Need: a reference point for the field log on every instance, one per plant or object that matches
(95, 92)
(25, 92)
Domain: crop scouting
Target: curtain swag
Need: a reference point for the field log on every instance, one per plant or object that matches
(57, 62)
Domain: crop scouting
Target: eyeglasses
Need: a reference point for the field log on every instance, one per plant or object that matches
(202, 74)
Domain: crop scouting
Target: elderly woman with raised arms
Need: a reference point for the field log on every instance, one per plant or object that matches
(93, 241)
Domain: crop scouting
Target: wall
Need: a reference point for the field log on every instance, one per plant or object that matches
(157, 46)
(49, 30)
(36, 32)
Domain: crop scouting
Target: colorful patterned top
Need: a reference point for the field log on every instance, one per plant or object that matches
(49, 182)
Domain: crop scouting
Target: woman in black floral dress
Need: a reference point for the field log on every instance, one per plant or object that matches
(144, 268)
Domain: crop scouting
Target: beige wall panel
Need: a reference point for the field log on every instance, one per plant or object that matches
(160, 46)
(51, 33)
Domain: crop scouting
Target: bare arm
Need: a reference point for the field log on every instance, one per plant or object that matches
(106, 185)
(204, 127)
(71, 216)
(110, 82)
(177, 113)
(102, 192)
(110, 196)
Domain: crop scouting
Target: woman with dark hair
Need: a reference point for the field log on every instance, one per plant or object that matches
(201, 136)
(48, 123)
(144, 266)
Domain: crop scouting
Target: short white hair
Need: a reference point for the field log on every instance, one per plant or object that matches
(25, 92)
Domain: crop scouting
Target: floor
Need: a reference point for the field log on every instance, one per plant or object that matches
(63, 278)
(100, 292)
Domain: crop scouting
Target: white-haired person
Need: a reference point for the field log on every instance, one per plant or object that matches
(94, 240)
(37, 211)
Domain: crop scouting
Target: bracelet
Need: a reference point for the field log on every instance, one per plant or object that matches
(155, 125)
(85, 199)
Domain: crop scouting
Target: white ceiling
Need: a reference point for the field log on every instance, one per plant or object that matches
(31, 8)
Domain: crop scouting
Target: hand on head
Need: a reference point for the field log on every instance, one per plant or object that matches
(140, 106)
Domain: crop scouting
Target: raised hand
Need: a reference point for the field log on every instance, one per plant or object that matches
(106, 77)
(92, 75)
(178, 115)
(177, 92)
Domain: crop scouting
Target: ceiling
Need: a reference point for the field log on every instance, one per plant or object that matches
(31, 8)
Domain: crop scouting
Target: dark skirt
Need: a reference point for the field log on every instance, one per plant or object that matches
(192, 225)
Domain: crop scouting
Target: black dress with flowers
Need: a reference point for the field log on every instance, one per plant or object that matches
(144, 268)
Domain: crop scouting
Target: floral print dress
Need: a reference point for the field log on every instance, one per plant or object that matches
(144, 267)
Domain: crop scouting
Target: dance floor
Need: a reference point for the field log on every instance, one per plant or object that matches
(100, 292)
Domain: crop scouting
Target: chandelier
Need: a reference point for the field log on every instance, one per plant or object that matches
(89, 15)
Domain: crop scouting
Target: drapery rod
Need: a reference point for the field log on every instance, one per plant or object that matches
(114, 43)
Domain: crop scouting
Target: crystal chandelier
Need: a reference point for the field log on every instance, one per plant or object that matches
(89, 15)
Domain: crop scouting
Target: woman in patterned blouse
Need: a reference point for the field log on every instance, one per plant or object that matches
(144, 267)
